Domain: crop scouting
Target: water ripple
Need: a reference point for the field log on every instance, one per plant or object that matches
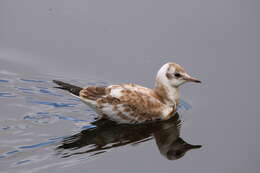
(46, 91)
(4, 81)
(46, 117)
(54, 104)
(34, 129)
(23, 162)
(6, 94)
(32, 80)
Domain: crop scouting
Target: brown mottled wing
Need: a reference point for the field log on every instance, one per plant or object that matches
(140, 105)
(124, 105)
(93, 92)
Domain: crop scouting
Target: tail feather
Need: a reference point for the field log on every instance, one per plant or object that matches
(68, 87)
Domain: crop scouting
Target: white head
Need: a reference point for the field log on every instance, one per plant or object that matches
(173, 75)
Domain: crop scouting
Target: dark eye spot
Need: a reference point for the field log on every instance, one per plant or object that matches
(177, 75)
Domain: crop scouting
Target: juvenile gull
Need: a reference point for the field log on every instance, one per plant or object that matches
(131, 103)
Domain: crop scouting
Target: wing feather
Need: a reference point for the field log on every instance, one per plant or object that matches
(125, 103)
(134, 103)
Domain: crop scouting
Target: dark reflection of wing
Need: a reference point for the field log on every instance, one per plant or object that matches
(109, 135)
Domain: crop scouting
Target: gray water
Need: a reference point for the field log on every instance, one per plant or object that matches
(43, 129)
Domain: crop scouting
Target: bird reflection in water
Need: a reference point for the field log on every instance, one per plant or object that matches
(107, 134)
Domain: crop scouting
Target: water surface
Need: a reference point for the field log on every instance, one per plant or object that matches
(109, 42)
(43, 127)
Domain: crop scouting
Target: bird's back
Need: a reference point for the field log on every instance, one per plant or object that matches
(126, 103)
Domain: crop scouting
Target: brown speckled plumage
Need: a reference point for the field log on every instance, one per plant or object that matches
(131, 103)
(139, 103)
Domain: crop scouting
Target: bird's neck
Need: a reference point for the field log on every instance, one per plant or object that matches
(167, 94)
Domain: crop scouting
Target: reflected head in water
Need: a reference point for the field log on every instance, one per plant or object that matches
(108, 134)
(176, 149)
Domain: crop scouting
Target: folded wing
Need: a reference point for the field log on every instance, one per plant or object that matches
(125, 103)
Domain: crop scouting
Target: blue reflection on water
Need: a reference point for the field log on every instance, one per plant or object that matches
(41, 90)
(5, 128)
(74, 99)
(57, 138)
(44, 117)
(46, 91)
(32, 80)
(12, 152)
(25, 90)
(23, 161)
(6, 94)
(25, 147)
(184, 105)
(4, 81)
(54, 104)
(37, 145)
(62, 117)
